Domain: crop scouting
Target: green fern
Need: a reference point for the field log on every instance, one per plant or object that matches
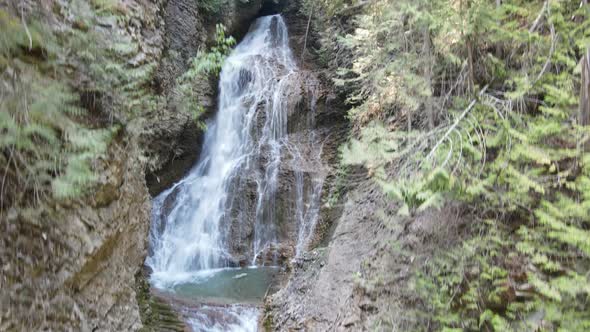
(201, 67)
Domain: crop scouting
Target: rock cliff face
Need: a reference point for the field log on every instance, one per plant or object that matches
(316, 127)
(72, 265)
(75, 262)
(175, 141)
(320, 295)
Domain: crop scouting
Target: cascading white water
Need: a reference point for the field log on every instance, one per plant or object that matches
(188, 233)
(189, 237)
(307, 210)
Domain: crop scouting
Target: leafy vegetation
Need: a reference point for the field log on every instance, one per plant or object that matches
(70, 89)
(204, 65)
(211, 6)
(480, 102)
(49, 140)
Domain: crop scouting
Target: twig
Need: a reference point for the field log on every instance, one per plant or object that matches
(459, 159)
(448, 154)
(459, 80)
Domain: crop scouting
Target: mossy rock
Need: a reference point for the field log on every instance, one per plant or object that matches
(156, 314)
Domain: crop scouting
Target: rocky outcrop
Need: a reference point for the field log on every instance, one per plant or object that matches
(364, 278)
(72, 265)
(318, 295)
(173, 139)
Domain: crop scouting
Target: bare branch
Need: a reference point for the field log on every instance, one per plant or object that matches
(551, 51)
(538, 19)
(22, 16)
(469, 108)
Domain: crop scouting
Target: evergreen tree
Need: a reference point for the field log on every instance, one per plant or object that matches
(482, 102)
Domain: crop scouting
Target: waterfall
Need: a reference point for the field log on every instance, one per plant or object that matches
(191, 220)
(237, 177)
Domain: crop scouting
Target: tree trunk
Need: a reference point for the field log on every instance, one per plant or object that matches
(428, 76)
(498, 46)
(470, 60)
(470, 66)
(585, 90)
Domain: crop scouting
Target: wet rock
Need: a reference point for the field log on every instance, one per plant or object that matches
(174, 147)
(322, 283)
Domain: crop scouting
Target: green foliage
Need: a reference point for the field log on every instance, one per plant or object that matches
(48, 152)
(202, 66)
(49, 144)
(339, 186)
(210, 62)
(106, 62)
(473, 286)
(212, 7)
(419, 195)
(513, 151)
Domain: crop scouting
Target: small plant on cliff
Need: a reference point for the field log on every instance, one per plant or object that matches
(211, 6)
(202, 67)
(44, 151)
(210, 62)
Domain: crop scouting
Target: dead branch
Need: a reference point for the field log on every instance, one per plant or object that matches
(22, 16)
(584, 108)
(307, 31)
(551, 51)
(539, 17)
(469, 108)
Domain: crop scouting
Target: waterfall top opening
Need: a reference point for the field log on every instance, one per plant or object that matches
(271, 8)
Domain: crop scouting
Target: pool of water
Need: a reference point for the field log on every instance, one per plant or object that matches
(225, 286)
